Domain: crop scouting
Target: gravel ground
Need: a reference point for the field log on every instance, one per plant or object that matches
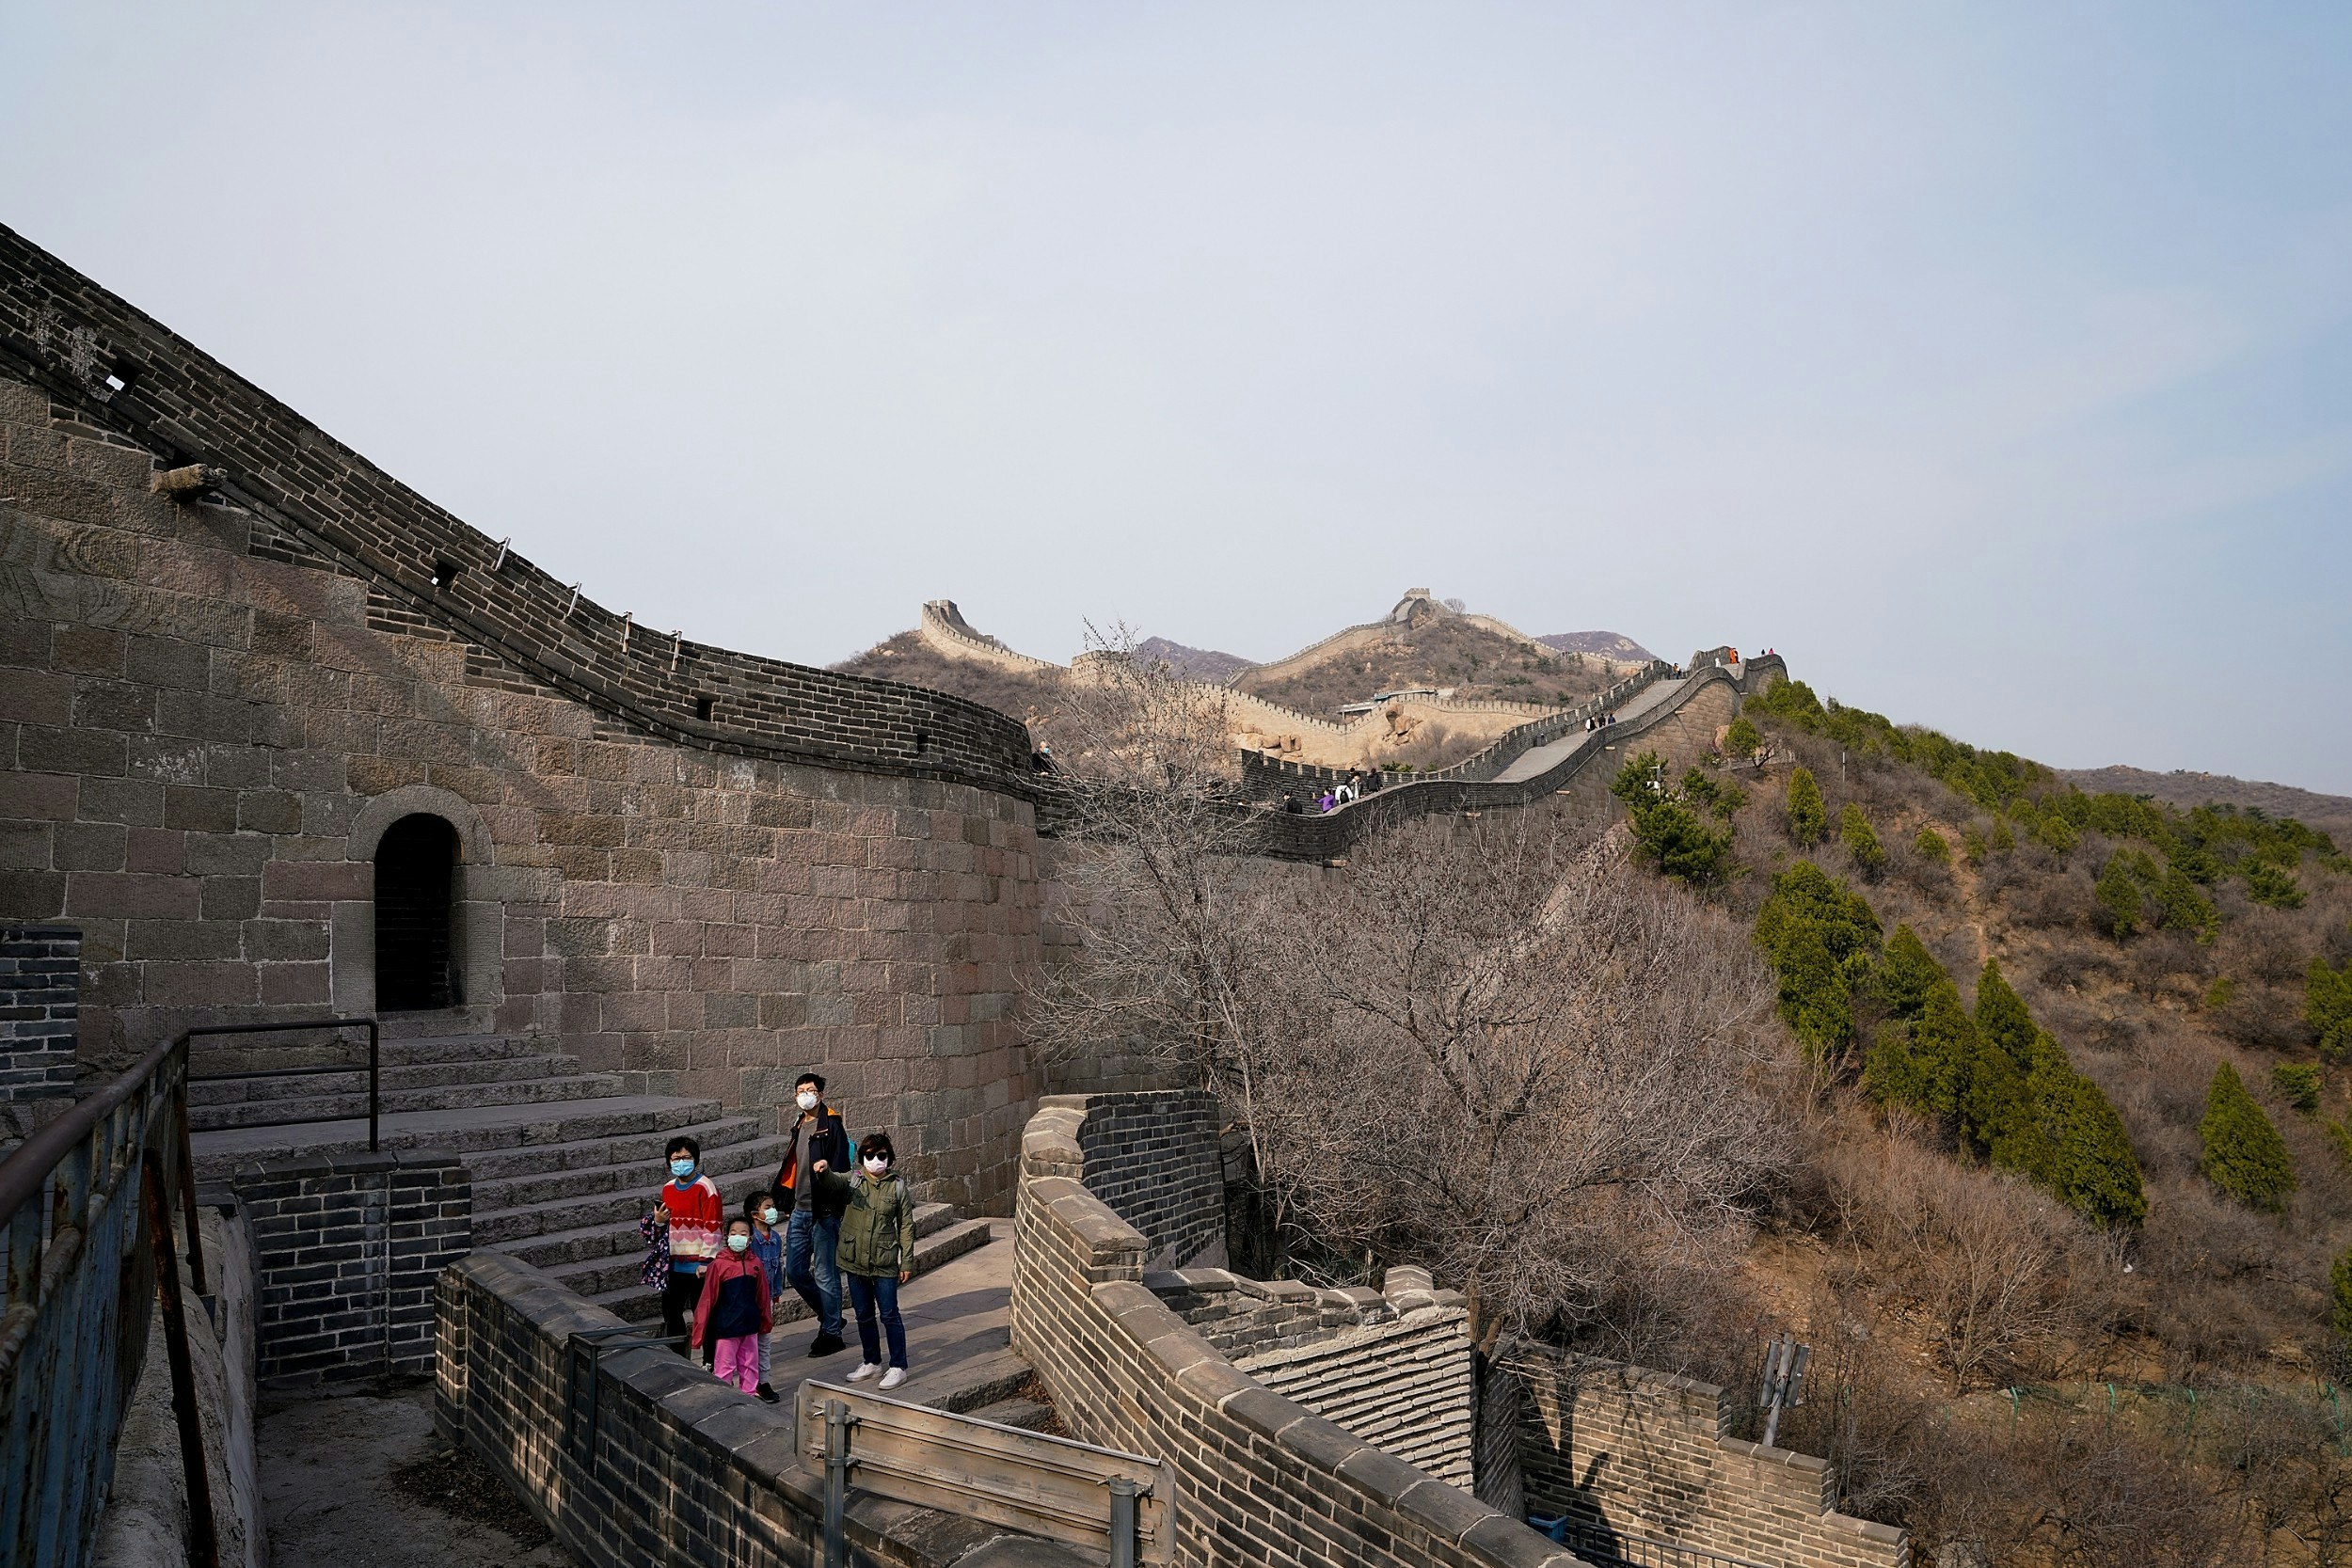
(355, 1480)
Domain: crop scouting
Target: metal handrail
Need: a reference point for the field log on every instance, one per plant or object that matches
(375, 1067)
(100, 1170)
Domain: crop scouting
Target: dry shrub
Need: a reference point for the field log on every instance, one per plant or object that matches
(1983, 1257)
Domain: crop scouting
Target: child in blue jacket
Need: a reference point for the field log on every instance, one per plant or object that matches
(765, 1214)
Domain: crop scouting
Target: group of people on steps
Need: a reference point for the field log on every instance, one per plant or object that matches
(837, 1213)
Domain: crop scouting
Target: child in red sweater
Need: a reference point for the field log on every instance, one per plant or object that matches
(733, 1313)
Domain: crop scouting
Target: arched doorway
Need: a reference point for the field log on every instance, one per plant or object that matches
(416, 865)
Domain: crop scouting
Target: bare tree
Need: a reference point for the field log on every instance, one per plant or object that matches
(1522, 1063)
(1481, 1048)
(1163, 902)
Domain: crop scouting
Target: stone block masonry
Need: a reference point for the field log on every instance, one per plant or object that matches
(1642, 1453)
(346, 1250)
(1262, 1479)
(703, 870)
(40, 980)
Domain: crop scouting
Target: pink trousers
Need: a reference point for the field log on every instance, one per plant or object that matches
(736, 1361)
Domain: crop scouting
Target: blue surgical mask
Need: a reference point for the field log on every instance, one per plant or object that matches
(738, 1243)
(681, 1168)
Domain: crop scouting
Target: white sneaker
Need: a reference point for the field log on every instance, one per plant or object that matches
(866, 1369)
(893, 1377)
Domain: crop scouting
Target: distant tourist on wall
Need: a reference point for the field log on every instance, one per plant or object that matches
(733, 1315)
(819, 1143)
(685, 1224)
(1290, 803)
(1042, 760)
(763, 1211)
(877, 1253)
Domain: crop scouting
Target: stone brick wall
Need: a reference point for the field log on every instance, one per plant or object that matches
(1263, 1480)
(210, 712)
(1392, 1365)
(1645, 1454)
(347, 1249)
(40, 986)
(661, 1464)
(1152, 1157)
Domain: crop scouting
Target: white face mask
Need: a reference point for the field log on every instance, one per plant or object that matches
(738, 1243)
(767, 1216)
(875, 1168)
(807, 1100)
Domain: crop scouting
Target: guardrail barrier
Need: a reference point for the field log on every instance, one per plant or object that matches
(1098, 1499)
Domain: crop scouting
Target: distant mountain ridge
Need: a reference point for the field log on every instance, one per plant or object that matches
(1201, 664)
(1602, 644)
(1212, 664)
(2330, 814)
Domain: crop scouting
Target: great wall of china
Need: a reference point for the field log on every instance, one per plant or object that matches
(1310, 741)
(244, 665)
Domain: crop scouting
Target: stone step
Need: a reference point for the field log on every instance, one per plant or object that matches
(494, 1130)
(238, 1052)
(531, 1091)
(530, 1179)
(615, 1195)
(968, 1382)
(417, 1075)
(1025, 1414)
(620, 1294)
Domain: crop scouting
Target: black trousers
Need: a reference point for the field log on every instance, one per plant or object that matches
(677, 1310)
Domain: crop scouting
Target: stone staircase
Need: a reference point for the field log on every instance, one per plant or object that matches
(563, 1161)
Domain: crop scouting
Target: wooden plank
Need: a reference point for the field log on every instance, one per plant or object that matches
(1052, 1487)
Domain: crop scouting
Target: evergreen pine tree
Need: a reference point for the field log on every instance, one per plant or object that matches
(2327, 1006)
(1906, 975)
(2297, 1083)
(2180, 906)
(1932, 846)
(1822, 941)
(1743, 739)
(1997, 1084)
(1861, 841)
(2118, 894)
(1809, 815)
(2088, 1162)
(2244, 1155)
(1926, 1064)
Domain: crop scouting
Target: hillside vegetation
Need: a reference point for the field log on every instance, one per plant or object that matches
(2071, 1239)
(1442, 653)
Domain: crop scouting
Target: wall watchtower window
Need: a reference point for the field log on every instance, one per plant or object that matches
(416, 865)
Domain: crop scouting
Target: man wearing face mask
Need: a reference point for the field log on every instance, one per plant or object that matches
(820, 1143)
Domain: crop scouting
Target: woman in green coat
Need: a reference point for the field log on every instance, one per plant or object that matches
(877, 1252)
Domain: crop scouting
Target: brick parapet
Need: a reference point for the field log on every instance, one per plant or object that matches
(346, 1249)
(130, 375)
(1645, 1453)
(1262, 1479)
(40, 989)
(659, 1464)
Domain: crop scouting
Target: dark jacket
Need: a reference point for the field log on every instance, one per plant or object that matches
(830, 1143)
(876, 1223)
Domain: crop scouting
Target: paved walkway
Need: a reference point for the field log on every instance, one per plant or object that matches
(959, 1318)
(1542, 759)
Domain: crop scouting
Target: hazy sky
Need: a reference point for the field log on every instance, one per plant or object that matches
(1993, 363)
